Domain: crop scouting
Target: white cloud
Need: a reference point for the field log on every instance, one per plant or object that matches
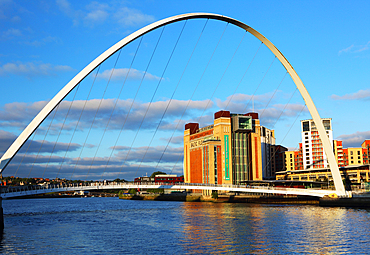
(121, 73)
(348, 49)
(269, 110)
(4, 6)
(363, 47)
(355, 48)
(355, 139)
(175, 139)
(152, 154)
(32, 69)
(46, 40)
(13, 32)
(239, 102)
(16, 19)
(361, 94)
(97, 13)
(66, 8)
(130, 17)
(10, 34)
(19, 114)
(134, 166)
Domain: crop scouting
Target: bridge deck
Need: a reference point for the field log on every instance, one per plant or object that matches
(18, 191)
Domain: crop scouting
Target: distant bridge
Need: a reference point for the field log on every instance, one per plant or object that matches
(19, 191)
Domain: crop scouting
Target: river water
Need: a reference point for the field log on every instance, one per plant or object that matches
(115, 226)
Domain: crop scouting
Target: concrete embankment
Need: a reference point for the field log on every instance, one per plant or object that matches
(225, 198)
(165, 197)
(358, 202)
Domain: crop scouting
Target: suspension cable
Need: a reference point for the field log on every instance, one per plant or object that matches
(147, 109)
(97, 110)
(42, 142)
(61, 129)
(199, 82)
(219, 80)
(197, 87)
(55, 111)
(284, 107)
(173, 133)
(79, 119)
(93, 121)
(123, 84)
(275, 151)
(169, 102)
(280, 116)
(114, 107)
(273, 95)
(214, 91)
(229, 98)
(137, 92)
(243, 75)
(24, 154)
(259, 84)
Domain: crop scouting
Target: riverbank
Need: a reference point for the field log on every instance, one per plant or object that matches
(354, 202)
(66, 195)
(189, 197)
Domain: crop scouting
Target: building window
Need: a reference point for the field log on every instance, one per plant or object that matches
(326, 124)
(306, 126)
(358, 152)
(351, 152)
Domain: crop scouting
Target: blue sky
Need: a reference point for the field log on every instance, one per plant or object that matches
(44, 44)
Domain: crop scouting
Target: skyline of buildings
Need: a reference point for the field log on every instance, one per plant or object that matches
(309, 162)
(237, 149)
(311, 154)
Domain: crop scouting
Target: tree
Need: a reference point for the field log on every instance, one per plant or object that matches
(119, 180)
(160, 191)
(214, 194)
(156, 173)
(132, 191)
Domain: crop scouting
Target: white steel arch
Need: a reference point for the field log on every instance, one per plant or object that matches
(28, 131)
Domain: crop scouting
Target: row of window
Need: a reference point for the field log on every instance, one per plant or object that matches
(358, 153)
(359, 162)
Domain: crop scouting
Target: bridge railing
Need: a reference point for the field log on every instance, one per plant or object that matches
(125, 185)
(49, 187)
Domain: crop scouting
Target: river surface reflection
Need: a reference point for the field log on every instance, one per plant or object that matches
(114, 226)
